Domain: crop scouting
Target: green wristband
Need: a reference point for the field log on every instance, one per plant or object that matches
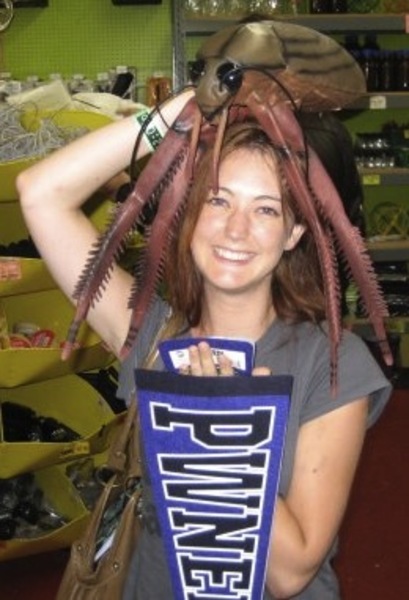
(152, 135)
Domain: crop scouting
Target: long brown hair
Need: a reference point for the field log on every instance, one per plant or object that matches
(297, 288)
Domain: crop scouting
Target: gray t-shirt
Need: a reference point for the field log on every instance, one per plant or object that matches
(302, 351)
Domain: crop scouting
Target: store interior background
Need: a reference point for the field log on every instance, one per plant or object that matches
(91, 36)
(87, 36)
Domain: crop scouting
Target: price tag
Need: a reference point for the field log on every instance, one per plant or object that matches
(377, 102)
(10, 269)
(372, 179)
(81, 447)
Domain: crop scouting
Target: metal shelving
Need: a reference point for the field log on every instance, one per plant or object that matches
(185, 26)
(389, 251)
(381, 101)
(386, 23)
(385, 177)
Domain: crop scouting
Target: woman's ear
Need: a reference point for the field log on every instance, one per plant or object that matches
(294, 236)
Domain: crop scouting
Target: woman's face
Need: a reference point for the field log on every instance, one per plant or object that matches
(241, 232)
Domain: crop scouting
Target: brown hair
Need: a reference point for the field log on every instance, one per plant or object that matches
(297, 287)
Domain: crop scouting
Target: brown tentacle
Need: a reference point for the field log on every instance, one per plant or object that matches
(108, 247)
(157, 244)
(222, 124)
(161, 232)
(331, 207)
(348, 237)
(269, 118)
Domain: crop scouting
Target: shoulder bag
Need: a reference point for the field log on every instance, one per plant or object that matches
(99, 560)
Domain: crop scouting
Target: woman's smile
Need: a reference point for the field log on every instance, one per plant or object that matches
(234, 256)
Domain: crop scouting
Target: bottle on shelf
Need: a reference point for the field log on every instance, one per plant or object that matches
(387, 71)
(371, 42)
(370, 66)
(351, 43)
(320, 6)
(402, 71)
(339, 6)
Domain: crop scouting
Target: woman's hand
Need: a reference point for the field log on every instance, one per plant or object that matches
(202, 364)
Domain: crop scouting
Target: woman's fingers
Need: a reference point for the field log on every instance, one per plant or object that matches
(260, 371)
(202, 362)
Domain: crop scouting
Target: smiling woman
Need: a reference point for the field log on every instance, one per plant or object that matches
(243, 262)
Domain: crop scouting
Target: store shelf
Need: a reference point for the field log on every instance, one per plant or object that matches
(394, 250)
(392, 177)
(30, 3)
(381, 101)
(397, 23)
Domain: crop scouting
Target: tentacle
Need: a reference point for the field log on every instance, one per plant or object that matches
(110, 244)
(155, 251)
(269, 118)
(348, 238)
(218, 146)
(276, 120)
(171, 204)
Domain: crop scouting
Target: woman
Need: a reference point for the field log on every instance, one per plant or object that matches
(242, 264)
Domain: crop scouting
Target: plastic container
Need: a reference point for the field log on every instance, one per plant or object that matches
(65, 500)
(50, 311)
(72, 402)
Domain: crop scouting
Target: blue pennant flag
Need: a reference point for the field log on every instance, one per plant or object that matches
(214, 447)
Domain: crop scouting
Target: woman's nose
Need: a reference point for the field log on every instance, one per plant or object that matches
(237, 224)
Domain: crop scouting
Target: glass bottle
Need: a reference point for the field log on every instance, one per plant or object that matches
(403, 71)
(370, 67)
(351, 43)
(193, 8)
(387, 79)
(339, 6)
(320, 6)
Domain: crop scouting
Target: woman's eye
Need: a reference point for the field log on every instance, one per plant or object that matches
(272, 211)
(216, 201)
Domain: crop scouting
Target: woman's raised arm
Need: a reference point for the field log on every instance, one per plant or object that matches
(52, 193)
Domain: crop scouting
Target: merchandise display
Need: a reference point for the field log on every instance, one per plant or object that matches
(48, 415)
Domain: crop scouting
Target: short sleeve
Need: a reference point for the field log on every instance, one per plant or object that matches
(358, 375)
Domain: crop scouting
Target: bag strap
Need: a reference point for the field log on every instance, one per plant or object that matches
(125, 449)
(118, 457)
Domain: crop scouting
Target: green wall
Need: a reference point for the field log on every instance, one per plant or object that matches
(87, 36)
